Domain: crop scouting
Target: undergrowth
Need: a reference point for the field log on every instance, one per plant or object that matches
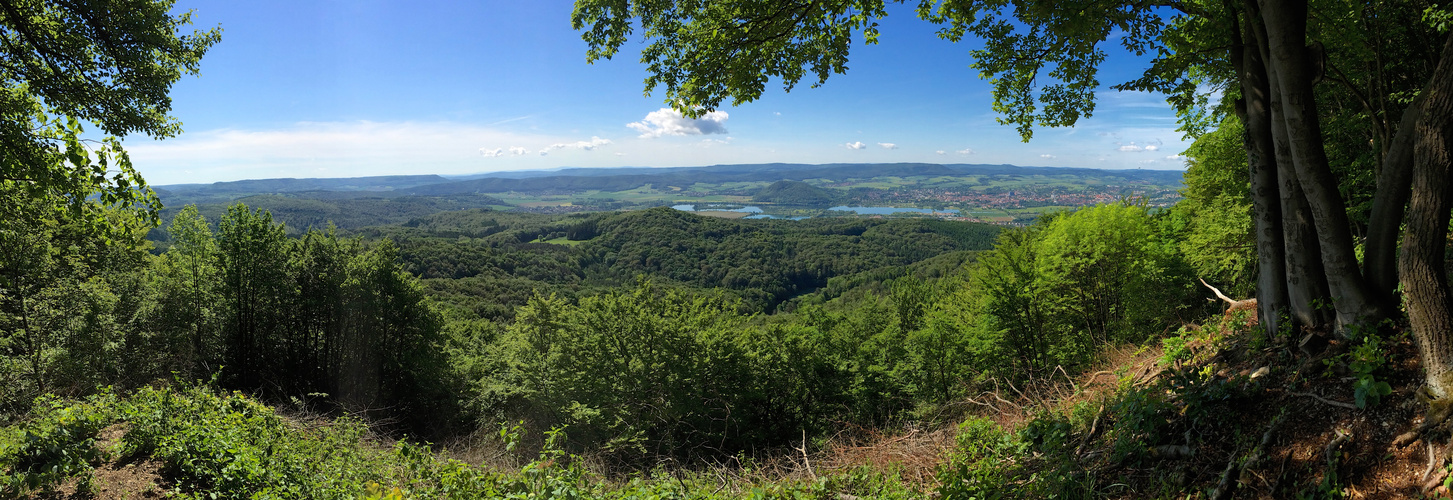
(1153, 418)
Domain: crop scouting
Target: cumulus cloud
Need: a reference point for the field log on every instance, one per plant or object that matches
(965, 151)
(856, 145)
(1174, 157)
(940, 152)
(1131, 148)
(887, 145)
(492, 153)
(1152, 147)
(516, 150)
(667, 121)
(1047, 156)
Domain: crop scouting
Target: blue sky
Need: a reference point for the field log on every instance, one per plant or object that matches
(373, 87)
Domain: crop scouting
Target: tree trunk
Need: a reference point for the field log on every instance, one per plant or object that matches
(1305, 278)
(1425, 281)
(1271, 285)
(1379, 258)
(1286, 22)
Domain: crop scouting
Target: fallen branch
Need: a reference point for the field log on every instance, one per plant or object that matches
(1173, 451)
(1233, 472)
(1342, 437)
(1339, 404)
(1231, 304)
(1090, 435)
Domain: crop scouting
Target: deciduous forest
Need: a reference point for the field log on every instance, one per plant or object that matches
(1284, 330)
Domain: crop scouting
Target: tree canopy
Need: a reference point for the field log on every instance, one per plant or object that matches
(110, 63)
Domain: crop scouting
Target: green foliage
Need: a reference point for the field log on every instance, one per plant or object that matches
(107, 63)
(56, 443)
(1363, 361)
(975, 469)
(1216, 235)
(1110, 274)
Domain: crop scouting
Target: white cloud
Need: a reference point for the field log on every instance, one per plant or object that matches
(940, 152)
(1131, 148)
(1152, 147)
(1174, 157)
(856, 145)
(1047, 156)
(776, 113)
(887, 145)
(965, 151)
(348, 149)
(589, 145)
(516, 150)
(667, 121)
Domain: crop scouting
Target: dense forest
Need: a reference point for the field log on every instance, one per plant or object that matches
(438, 343)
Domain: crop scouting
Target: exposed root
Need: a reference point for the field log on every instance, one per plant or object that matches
(1438, 413)
(1338, 404)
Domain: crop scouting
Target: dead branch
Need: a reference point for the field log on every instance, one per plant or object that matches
(1093, 427)
(1233, 471)
(1218, 293)
(1173, 451)
(1342, 437)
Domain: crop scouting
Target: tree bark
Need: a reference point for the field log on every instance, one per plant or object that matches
(1379, 257)
(1305, 278)
(1425, 281)
(1271, 284)
(1286, 22)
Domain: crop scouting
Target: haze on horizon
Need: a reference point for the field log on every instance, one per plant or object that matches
(351, 89)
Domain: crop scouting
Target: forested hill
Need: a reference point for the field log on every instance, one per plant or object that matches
(490, 262)
(795, 193)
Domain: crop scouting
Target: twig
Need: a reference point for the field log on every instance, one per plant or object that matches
(1349, 406)
(803, 449)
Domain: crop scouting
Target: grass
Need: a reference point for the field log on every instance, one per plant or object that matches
(563, 241)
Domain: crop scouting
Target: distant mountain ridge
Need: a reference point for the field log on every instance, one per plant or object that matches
(617, 179)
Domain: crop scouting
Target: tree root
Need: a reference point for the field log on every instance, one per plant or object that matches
(1338, 404)
(1438, 412)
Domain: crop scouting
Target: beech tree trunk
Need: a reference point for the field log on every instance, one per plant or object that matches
(1266, 213)
(1425, 281)
(1289, 63)
(1305, 278)
(1379, 257)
